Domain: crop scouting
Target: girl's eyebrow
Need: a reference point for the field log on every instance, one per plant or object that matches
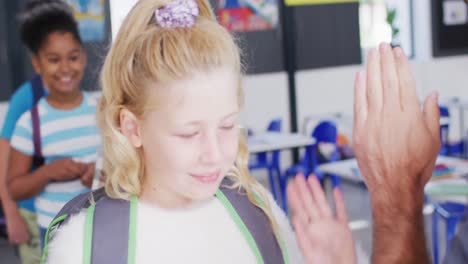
(56, 54)
(231, 115)
(197, 122)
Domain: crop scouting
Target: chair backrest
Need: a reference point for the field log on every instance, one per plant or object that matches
(444, 129)
(275, 125)
(444, 111)
(325, 132)
(262, 158)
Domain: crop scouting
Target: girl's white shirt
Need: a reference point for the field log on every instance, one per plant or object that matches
(204, 233)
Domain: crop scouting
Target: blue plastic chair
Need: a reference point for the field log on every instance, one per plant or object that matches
(324, 132)
(269, 160)
(444, 131)
(452, 213)
(448, 148)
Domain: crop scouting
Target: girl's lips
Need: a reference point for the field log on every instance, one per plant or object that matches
(66, 80)
(206, 178)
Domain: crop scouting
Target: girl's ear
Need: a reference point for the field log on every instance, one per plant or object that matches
(35, 63)
(130, 127)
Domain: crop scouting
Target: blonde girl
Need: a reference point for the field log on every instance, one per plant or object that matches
(169, 119)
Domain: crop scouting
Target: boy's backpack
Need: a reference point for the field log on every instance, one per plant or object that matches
(105, 215)
(38, 93)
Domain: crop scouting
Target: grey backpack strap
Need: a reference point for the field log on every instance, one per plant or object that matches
(457, 251)
(111, 236)
(110, 226)
(80, 202)
(73, 207)
(256, 222)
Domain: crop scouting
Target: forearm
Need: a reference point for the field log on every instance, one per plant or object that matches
(8, 204)
(28, 185)
(398, 231)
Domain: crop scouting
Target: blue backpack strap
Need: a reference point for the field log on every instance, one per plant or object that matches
(38, 93)
(37, 88)
(251, 219)
(36, 131)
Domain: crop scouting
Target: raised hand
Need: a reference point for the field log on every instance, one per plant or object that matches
(396, 144)
(322, 236)
(17, 229)
(395, 141)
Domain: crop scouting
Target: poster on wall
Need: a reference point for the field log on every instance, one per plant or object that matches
(248, 15)
(90, 17)
(317, 2)
(455, 12)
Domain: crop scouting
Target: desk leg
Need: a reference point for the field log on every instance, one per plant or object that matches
(463, 136)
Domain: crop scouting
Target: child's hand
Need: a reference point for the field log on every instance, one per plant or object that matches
(322, 236)
(17, 229)
(88, 176)
(65, 169)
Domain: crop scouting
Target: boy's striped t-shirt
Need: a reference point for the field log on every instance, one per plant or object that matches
(64, 134)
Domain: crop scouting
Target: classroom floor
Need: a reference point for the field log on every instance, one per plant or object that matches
(357, 202)
(7, 253)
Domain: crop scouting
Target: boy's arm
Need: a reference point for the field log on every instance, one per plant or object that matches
(19, 103)
(16, 227)
(5, 198)
(22, 183)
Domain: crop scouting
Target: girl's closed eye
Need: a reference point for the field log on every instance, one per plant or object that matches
(229, 123)
(187, 134)
(228, 126)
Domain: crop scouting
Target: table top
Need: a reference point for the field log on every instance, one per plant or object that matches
(455, 187)
(341, 119)
(348, 169)
(454, 102)
(277, 141)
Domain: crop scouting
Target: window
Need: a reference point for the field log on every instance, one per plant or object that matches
(119, 10)
(386, 20)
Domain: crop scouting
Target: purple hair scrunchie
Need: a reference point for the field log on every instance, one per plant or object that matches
(178, 13)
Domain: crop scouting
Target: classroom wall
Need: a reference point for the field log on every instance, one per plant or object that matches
(331, 89)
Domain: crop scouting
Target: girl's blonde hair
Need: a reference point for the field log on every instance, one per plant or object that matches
(144, 53)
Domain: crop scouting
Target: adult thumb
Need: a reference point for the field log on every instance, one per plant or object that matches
(432, 114)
